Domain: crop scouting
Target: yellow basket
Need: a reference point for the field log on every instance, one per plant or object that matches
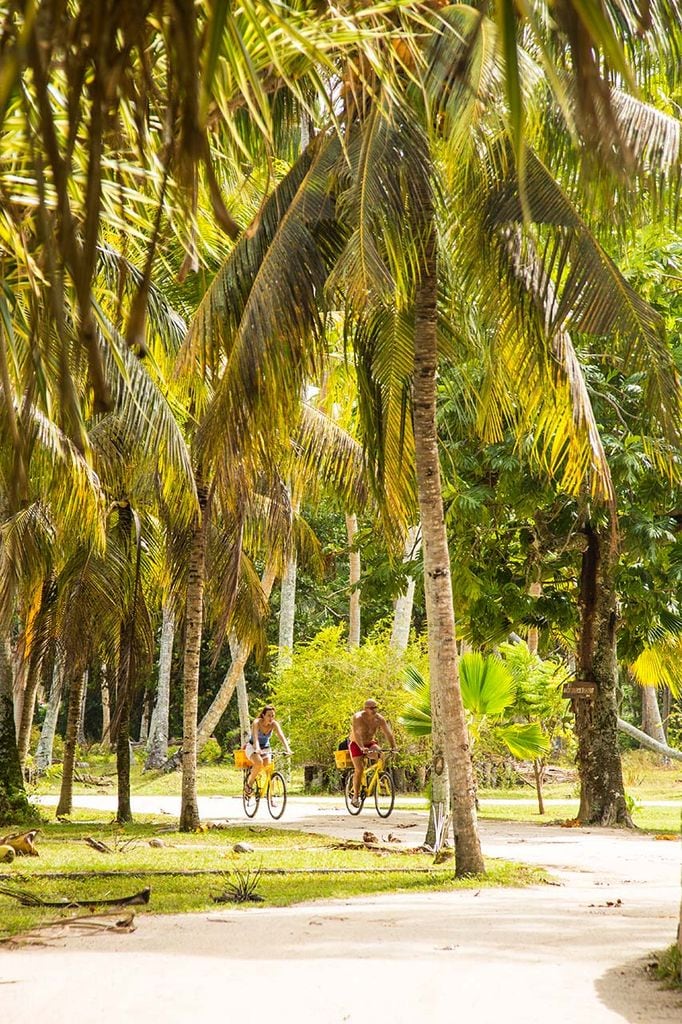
(241, 760)
(343, 759)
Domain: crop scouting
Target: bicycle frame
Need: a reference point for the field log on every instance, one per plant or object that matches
(375, 781)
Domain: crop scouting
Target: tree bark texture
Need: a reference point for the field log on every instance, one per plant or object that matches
(652, 724)
(43, 756)
(194, 617)
(242, 695)
(354, 582)
(106, 703)
(602, 793)
(445, 690)
(65, 805)
(224, 694)
(158, 730)
(287, 612)
(402, 613)
(80, 736)
(14, 805)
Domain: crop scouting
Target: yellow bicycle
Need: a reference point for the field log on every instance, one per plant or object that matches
(269, 785)
(377, 781)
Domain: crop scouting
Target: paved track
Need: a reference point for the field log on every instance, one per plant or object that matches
(561, 954)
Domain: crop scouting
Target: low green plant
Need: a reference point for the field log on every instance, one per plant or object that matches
(211, 752)
(669, 967)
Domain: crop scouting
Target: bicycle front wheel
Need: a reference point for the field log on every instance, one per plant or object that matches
(384, 795)
(348, 794)
(277, 795)
(252, 799)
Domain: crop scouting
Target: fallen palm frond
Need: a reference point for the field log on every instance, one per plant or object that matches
(22, 842)
(242, 889)
(29, 899)
(108, 921)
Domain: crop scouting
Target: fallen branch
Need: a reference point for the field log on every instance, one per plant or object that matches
(97, 844)
(29, 899)
(81, 922)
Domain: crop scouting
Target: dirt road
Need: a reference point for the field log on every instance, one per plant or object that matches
(564, 953)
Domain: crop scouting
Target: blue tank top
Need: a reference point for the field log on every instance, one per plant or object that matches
(264, 738)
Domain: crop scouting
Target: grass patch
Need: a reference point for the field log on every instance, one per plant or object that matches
(669, 967)
(134, 865)
(664, 820)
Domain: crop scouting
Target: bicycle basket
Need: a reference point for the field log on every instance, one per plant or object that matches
(343, 759)
(241, 760)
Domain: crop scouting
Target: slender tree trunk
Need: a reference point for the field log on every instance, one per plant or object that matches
(242, 695)
(145, 718)
(538, 772)
(28, 705)
(287, 612)
(189, 808)
(651, 714)
(106, 703)
(224, 694)
(648, 743)
(81, 738)
(158, 731)
(445, 690)
(535, 590)
(602, 793)
(65, 805)
(354, 582)
(402, 613)
(14, 805)
(44, 752)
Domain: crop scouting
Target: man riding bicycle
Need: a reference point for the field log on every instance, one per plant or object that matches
(363, 728)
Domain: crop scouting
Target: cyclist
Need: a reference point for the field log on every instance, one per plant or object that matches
(257, 747)
(361, 742)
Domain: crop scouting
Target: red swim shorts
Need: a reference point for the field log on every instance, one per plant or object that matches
(356, 751)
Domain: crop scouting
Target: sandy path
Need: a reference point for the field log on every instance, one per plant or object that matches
(559, 953)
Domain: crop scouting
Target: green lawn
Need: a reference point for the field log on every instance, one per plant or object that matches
(296, 866)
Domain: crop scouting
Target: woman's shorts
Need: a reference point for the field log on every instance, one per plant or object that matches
(265, 752)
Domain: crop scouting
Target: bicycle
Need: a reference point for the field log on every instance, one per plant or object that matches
(376, 781)
(269, 784)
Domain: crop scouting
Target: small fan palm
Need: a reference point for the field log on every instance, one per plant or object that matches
(488, 691)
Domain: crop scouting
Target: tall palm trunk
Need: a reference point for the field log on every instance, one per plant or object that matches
(106, 703)
(402, 613)
(194, 616)
(242, 695)
(446, 696)
(354, 582)
(224, 694)
(158, 729)
(287, 612)
(652, 724)
(43, 756)
(602, 793)
(65, 805)
(14, 805)
(81, 738)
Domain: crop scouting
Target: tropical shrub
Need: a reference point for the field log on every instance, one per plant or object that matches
(326, 682)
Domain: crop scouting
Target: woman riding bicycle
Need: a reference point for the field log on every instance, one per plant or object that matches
(363, 729)
(257, 747)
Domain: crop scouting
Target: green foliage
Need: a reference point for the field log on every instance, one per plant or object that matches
(326, 683)
(489, 693)
(211, 752)
(669, 967)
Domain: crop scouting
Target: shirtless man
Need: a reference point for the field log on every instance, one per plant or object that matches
(363, 729)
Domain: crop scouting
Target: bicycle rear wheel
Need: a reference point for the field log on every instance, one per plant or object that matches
(384, 794)
(277, 795)
(251, 800)
(348, 794)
